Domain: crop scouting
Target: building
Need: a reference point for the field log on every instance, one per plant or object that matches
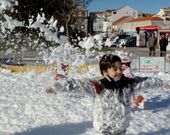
(125, 11)
(102, 21)
(164, 13)
(118, 24)
(144, 21)
(107, 21)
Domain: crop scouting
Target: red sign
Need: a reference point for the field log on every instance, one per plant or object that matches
(152, 27)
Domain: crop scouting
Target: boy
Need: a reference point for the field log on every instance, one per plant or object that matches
(111, 112)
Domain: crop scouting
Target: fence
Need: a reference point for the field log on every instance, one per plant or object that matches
(32, 58)
(139, 52)
(151, 64)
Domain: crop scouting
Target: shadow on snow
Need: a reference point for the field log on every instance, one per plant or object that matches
(161, 132)
(157, 104)
(64, 129)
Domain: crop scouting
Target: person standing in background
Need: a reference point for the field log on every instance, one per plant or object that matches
(152, 43)
(163, 44)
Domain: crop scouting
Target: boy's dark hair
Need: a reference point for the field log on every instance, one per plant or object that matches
(107, 61)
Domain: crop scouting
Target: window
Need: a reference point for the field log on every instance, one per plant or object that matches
(167, 19)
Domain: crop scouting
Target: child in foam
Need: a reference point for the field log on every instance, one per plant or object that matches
(111, 94)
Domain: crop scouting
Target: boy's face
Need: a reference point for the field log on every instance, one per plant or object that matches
(115, 72)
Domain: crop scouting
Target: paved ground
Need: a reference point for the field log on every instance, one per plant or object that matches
(139, 51)
(32, 57)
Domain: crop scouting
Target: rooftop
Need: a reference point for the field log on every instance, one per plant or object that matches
(149, 18)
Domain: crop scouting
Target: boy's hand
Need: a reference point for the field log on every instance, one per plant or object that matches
(50, 90)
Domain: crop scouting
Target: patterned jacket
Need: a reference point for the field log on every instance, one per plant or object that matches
(111, 112)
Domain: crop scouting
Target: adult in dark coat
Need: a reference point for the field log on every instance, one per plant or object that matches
(163, 44)
(152, 43)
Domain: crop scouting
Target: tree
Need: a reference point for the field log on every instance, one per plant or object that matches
(65, 11)
(62, 10)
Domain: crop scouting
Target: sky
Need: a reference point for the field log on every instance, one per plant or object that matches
(145, 6)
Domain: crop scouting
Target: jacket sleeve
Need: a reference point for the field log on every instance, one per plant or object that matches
(166, 42)
(146, 82)
(85, 86)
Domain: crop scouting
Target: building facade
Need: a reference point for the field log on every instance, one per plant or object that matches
(126, 11)
(144, 21)
(103, 22)
(164, 13)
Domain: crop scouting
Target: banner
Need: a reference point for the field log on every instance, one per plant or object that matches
(152, 64)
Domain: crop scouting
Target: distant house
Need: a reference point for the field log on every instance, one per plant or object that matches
(118, 24)
(144, 21)
(125, 11)
(107, 21)
(102, 22)
(164, 13)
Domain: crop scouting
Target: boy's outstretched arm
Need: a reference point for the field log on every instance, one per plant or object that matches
(59, 85)
(147, 82)
(91, 87)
